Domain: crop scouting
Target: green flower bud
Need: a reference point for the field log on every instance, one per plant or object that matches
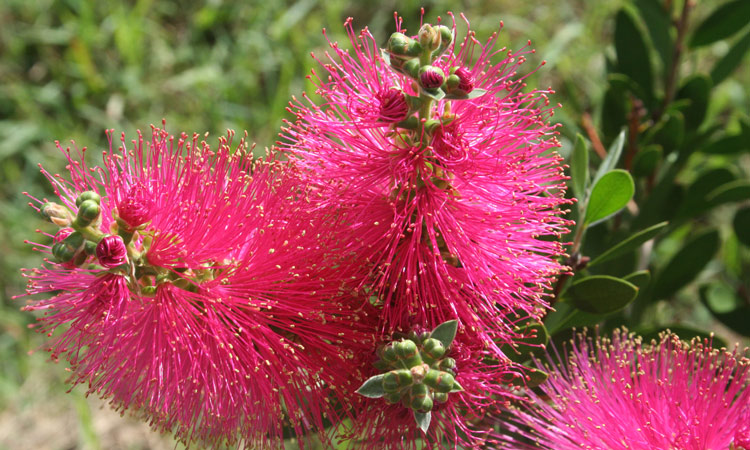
(88, 195)
(66, 249)
(88, 212)
(396, 380)
(447, 363)
(432, 350)
(429, 37)
(446, 36)
(411, 68)
(440, 397)
(421, 400)
(57, 214)
(402, 45)
(90, 247)
(389, 354)
(439, 380)
(408, 352)
(393, 397)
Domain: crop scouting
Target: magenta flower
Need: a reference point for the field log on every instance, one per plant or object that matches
(111, 251)
(624, 394)
(444, 214)
(204, 311)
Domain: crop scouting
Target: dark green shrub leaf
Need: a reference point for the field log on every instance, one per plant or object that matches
(614, 106)
(731, 192)
(696, 89)
(696, 200)
(728, 144)
(640, 279)
(613, 156)
(579, 168)
(601, 294)
(726, 307)
(646, 160)
(685, 266)
(658, 24)
(741, 224)
(726, 65)
(633, 58)
(684, 333)
(373, 387)
(670, 132)
(723, 22)
(629, 244)
(445, 332)
(609, 195)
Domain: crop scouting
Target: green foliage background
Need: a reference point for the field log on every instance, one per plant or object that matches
(71, 69)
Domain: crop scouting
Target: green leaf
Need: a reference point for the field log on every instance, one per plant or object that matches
(456, 387)
(579, 168)
(614, 107)
(601, 294)
(609, 195)
(685, 266)
(630, 243)
(640, 278)
(697, 89)
(726, 65)
(423, 420)
(435, 94)
(373, 387)
(735, 191)
(613, 156)
(724, 305)
(633, 58)
(670, 132)
(658, 24)
(535, 337)
(727, 144)
(646, 160)
(696, 200)
(723, 22)
(473, 94)
(445, 332)
(741, 224)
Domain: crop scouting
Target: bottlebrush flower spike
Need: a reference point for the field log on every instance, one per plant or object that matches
(625, 394)
(211, 325)
(447, 208)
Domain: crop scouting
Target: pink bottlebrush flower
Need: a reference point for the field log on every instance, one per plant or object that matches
(624, 394)
(452, 218)
(111, 251)
(219, 325)
(443, 215)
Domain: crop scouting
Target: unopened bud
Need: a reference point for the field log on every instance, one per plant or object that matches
(88, 212)
(440, 397)
(57, 214)
(66, 249)
(448, 363)
(439, 380)
(88, 195)
(420, 398)
(460, 82)
(431, 77)
(429, 37)
(432, 350)
(395, 380)
(111, 251)
(408, 352)
(402, 45)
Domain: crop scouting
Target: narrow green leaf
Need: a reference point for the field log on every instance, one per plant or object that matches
(601, 294)
(685, 266)
(696, 200)
(670, 132)
(646, 160)
(614, 106)
(630, 243)
(579, 168)
(423, 420)
(640, 278)
(726, 65)
(727, 144)
(613, 156)
(735, 191)
(723, 22)
(658, 24)
(373, 387)
(741, 225)
(724, 305)
(609, 195)
(445, 332)
(473, 94)
(697, 89)
(633, 58)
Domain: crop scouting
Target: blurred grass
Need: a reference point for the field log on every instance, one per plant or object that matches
(72, 68)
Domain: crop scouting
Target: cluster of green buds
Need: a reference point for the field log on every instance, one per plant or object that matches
(79, 236)
(416, 57)
(417, 372)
